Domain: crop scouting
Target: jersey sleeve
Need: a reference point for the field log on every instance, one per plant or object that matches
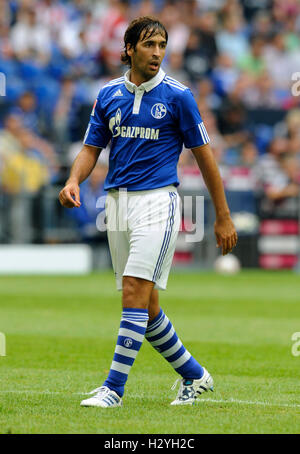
(190, 122)
(97, 133)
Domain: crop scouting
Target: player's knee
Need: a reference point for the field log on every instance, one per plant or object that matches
(135, 294)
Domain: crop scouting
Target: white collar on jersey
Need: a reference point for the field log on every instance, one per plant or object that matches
(146, 86)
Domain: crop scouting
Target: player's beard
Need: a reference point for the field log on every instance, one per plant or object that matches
(148, 74)
(144, 70)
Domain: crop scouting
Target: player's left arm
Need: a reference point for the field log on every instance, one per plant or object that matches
(224, 229)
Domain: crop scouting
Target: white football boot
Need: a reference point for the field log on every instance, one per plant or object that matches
(104, 398)
(190, 389)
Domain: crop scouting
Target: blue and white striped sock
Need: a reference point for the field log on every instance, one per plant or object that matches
(131, 335)
(162, 336)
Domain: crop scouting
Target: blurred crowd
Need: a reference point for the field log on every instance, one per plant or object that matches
(240, 58)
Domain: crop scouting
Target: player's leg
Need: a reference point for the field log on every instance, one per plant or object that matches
(162, 336)
(154, 308)
(134, 320)
(117, 237)
(119, 251)
(136, 292)
(135, 301)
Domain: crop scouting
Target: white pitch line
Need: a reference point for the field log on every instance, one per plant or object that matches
(198, 401)
(24, 391)
(247, 402)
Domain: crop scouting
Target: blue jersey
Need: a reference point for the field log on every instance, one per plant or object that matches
(147, 126)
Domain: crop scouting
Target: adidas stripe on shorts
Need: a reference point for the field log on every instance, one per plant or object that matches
(142, 229)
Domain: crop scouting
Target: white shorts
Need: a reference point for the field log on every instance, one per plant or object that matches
(142, 229)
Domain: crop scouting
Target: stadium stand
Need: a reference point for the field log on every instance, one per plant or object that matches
(238, 57)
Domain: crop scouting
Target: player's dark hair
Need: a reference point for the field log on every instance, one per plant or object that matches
(140, 29)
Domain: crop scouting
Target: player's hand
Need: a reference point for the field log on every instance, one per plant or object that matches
(225, 234)
(69, 196)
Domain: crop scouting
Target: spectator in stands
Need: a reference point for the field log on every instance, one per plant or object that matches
(30, 40)
(65, 118)
(86, 64)
(196, 57)
(47, 154)
(8, 63)
(5, 13)
(291, 36)
(240, 173)
(282, 10)
(239, 90)
(231, 39)
(207, 99)
(6, 50)
(208, 25)
(174, 67)
(26, 109)
(253, 62)
(262, 24)
(113, 26)
(208, 5)
(80, 41)
(292, 122)
(294, 146)
(268, 168)
(233, 122)
(248, 155)
(52, 15)
(232, 7)
(14, 133)
(261, 93)
(224, 75)
(24, 171)
(8, 136)
(287, 182)
(91, 26)
(69, 41)
(280, 65)
(278, 181)
(254, 9)
(146, 8)
(292, 132)
(178, 30)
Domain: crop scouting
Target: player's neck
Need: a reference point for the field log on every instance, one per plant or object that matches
(137, 78)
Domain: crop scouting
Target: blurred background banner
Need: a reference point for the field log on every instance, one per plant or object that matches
(242, 61)
(45, 259)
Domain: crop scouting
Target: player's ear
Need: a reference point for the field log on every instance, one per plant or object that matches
(129, 49)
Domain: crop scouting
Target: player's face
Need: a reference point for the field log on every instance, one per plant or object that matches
(147, 56)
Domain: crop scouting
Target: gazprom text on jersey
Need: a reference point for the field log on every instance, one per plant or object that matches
(134, 132)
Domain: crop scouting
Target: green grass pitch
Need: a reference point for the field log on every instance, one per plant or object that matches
(60, 337)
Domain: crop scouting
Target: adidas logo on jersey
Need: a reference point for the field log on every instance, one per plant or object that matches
(117, 93)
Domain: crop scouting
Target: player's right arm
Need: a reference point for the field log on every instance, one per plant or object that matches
(96, 138)
(83, 165)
